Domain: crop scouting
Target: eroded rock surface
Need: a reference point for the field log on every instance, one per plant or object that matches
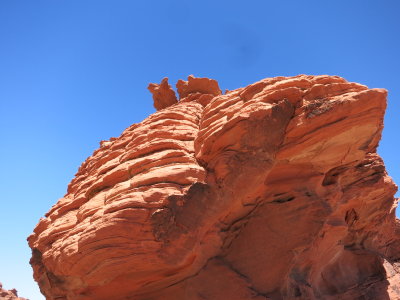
(9, 294)
(272, 191)
(163, 94)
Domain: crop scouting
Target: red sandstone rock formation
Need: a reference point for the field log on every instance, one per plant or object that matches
(197, 85)
(9, 294)
(163, 94)
(273, 191)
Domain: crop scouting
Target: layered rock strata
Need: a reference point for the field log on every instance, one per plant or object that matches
(272, 191)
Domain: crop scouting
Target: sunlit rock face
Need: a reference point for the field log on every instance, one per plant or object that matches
(272, 191)
(9, 294)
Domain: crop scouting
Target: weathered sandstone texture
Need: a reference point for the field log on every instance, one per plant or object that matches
(272, 191)
(9, 294)
(163, 94)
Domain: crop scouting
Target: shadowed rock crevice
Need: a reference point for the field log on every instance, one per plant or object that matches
(271, 191)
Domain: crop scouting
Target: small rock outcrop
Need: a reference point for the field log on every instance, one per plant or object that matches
(272, 191)
(163, 94)
(9, 294)
(196, 85)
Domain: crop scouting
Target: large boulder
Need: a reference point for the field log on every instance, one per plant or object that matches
(272, 191)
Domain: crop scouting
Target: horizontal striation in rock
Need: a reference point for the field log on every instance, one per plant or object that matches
(113, 195)
(272, 191)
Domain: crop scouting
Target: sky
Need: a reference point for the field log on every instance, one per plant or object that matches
(75, 72)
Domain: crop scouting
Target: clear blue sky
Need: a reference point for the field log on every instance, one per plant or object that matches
(75, 72)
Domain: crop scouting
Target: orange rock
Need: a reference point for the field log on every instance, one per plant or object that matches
(272, 191)
(163, 94)
(9, 294)
(197, 85)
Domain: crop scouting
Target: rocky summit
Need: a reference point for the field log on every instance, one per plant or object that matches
(272, 191)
